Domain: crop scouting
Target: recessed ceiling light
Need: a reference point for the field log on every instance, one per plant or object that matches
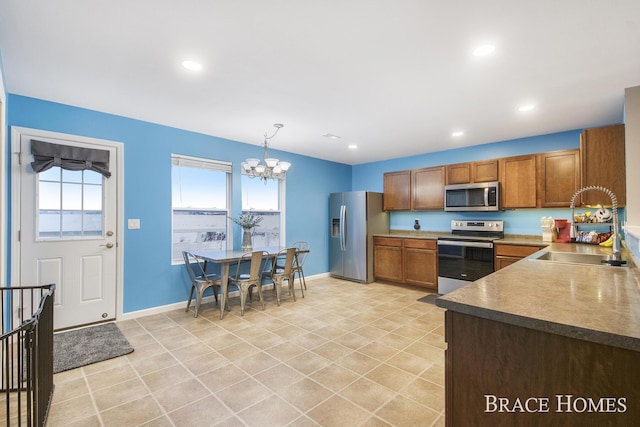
(331, 136)
(192, 65)
(457, 133)
(353, 147)
(484, 50)
(525, 108)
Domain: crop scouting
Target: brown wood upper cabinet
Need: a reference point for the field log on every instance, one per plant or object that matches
(397, 191)
(542, 180)
(558, 178)
(603, 164)
(464, 173)
(427, 189)
(518, 182)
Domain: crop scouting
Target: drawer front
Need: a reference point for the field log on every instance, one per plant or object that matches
(516, 250)
(420, 243)
(387, 241)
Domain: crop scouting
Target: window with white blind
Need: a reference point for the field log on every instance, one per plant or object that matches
(265, 198)
(200, 194)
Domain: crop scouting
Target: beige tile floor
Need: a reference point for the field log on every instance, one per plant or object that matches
(347, 354)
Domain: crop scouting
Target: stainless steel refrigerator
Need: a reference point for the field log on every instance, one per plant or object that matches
(355, 216)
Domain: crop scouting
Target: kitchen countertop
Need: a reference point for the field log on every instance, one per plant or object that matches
(600, 304)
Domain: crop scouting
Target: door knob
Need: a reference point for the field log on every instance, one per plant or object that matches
(108, 245)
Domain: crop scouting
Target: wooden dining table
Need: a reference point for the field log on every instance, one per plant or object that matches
(226, 258)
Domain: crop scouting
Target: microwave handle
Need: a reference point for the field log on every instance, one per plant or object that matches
(486, 196)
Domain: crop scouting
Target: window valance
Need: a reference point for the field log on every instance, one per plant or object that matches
(48, 155)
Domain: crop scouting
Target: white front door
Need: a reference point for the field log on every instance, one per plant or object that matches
(68, 230)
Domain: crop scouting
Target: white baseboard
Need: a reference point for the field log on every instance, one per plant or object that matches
(182, 305)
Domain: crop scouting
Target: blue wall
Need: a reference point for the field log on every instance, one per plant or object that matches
(149, 278)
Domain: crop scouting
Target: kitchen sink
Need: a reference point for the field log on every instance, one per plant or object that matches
(575, 258)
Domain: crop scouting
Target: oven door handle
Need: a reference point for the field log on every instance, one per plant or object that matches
(488, 245)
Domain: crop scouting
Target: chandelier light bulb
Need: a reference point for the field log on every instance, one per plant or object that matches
(285, 166)
(271, 163)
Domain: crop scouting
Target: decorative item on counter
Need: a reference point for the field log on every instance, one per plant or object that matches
(416, 225)
(583, 218)
(603, 214)
(548, 229)
(599, 216)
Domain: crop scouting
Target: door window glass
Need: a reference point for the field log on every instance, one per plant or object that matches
(70, 204)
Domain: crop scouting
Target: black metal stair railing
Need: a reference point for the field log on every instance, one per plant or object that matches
(26, 352)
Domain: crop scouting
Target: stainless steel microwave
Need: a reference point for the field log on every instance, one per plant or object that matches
(482, 196)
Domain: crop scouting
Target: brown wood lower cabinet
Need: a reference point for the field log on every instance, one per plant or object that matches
(387, 259)
(410, 261)
(505, 255)
(420, 262)
(586, 384)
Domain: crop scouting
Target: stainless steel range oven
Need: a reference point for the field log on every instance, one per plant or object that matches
(467, 254)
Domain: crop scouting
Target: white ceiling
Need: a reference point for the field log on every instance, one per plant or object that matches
(394, 77)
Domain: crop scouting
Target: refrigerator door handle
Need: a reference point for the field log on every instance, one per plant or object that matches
(343, 227)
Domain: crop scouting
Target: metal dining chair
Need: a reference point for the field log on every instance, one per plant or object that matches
(200, 280)
(302, 250)
(244, 282)
(281, 270)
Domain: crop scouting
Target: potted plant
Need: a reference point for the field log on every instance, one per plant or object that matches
(247, 221)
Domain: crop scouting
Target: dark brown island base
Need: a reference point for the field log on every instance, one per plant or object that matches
(544, 343)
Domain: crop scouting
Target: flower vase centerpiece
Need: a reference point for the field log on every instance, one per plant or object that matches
(247, 221)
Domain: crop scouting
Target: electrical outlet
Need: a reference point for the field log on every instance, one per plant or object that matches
(133, 224)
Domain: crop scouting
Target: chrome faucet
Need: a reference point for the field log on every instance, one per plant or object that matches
(614, 211)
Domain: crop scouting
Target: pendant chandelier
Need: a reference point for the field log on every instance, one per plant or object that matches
(272, 169)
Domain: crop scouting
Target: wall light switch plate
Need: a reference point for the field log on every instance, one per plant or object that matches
(133, 224)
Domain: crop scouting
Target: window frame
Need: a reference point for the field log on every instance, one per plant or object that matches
(207, 164)
(282, 203)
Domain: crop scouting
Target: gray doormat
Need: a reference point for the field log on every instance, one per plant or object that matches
(85, 346)
(431, 298)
